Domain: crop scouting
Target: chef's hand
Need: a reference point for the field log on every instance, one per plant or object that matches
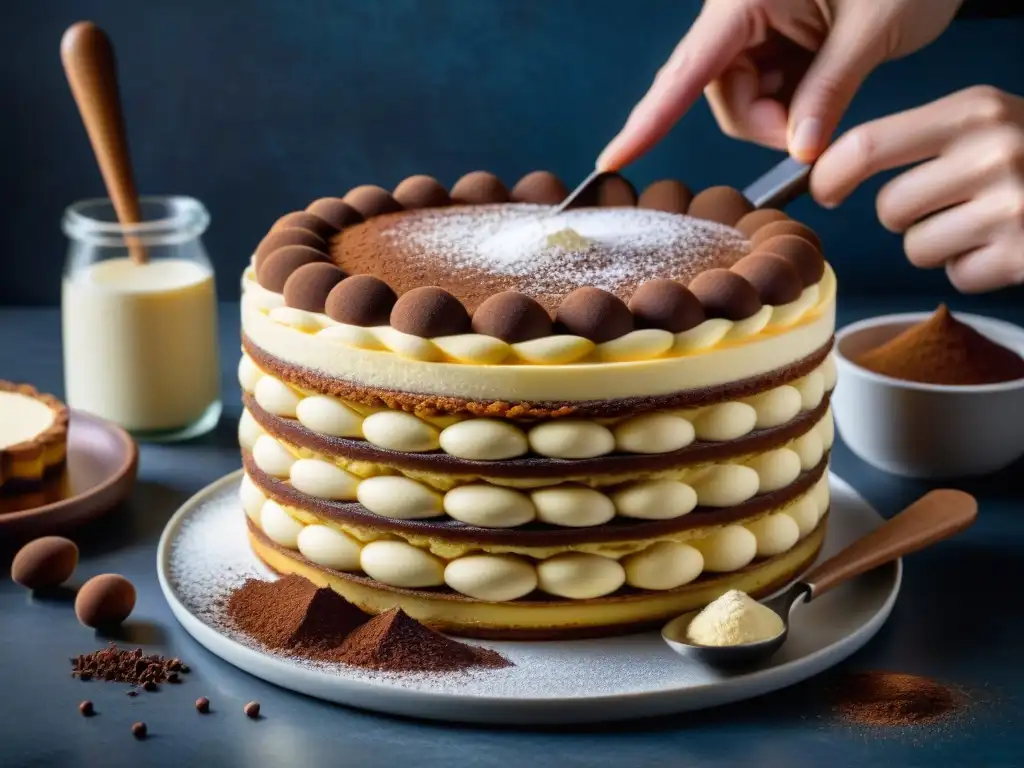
(777, 72)
(962, 209)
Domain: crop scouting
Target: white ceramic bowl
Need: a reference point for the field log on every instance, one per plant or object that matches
(926, 430)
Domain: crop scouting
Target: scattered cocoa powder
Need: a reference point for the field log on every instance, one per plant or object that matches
(118, 665)
(942, 350)
(292, 614)
(893, 699)
(395, 642)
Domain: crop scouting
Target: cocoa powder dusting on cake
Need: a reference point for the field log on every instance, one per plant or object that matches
(877, 698)
(942, 350)
(395, 642)
(295, 616)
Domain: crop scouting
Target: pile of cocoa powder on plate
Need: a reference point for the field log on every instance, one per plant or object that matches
(878, 698)
(295, 616)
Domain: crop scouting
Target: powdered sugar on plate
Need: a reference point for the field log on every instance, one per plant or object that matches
(611, 248)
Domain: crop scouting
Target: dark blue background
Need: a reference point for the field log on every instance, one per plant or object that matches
(256, 108)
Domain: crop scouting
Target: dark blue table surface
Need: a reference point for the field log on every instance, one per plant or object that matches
(959, 619)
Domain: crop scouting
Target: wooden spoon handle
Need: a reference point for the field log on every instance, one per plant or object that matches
(933, 517)
(91, 69)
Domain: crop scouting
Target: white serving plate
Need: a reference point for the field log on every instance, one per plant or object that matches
(204, 553)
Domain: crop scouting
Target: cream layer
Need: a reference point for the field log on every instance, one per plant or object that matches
(498, 574)
(718, 359)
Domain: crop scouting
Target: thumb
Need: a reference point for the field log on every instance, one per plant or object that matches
(845, 60)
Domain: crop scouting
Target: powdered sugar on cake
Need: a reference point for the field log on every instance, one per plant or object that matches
(611, 248)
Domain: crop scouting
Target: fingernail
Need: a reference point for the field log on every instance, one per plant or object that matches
(806, 138)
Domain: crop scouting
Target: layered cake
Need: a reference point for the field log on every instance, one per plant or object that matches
(517, 423)
(33, 436)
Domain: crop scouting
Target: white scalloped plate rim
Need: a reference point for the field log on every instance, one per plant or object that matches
(851, 516)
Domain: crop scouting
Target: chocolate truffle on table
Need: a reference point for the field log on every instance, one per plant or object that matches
(309, 286)
(335, 211)
(776, 280)
(362, 300)
(308, 221)
(421, 192)
(44, 563)
(279, 238)
(370, 200)
(429, 311)
(754, 220)
(609, 190)
(479, 187)
(789, 227)
(802, 254)
(512, 317)
(725, 294)
(594, 314)
(667, 305)
(666, 195)
(541, 187)
(724, 205)
(278, 266)
(105, 600)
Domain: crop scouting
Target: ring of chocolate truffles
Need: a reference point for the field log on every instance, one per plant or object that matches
(479, 187)
(370, 200)
(512, 317)
(754, 220)
(279, 238)
(105, 600)
(335, 212)
(540, 187)
(805, 258)
(362, 300)
(724, 205)
(776, 280)
(421, 192)
(308, 221)
(725, 294)
(44, 563)
(666, 195)
(594, 314)
(788, 227)
(309, 286)
(279, 265)
(667, 305)
(429, 312)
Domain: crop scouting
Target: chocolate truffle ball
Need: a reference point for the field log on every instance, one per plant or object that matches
(421, 192)
(335, 212)
(308, 286)
(725, 294)
(666, 195)
(280, 264)
(479, 187)
(44, 563)
(105, 600)
(724, 205)
(541, 187)
(593, 314)
(306, 220)
(754, 220)
(370, 200)
(776, 280)
(613, 190)
(777, 228)
(429, 312)
(667, 305)
(279, 238)
(513, 317)
(362, 300)
(807, 259)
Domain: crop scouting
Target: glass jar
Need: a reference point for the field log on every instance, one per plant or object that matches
(140, 337)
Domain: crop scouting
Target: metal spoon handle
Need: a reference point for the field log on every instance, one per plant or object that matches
(935, 516)
(91, 69)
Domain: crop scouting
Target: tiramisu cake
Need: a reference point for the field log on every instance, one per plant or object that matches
(516, 423)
